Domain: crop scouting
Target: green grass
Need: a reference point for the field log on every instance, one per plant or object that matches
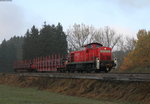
(139, 70)
(15, 95)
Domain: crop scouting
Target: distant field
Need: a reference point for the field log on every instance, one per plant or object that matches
(15, 95)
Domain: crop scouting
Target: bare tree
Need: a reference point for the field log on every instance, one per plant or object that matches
(130, 44)
(82, 34)
(79, 35)
(127, 44)
(107, 37)
(124, 46)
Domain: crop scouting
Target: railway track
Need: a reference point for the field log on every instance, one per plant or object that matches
(101, 76)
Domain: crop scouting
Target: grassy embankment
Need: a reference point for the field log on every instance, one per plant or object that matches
(16, 95)
(124, 92)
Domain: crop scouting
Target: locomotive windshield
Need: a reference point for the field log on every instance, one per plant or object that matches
(98, 45)
(89, 46)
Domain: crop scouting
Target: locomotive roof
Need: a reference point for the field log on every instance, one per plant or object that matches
(93, 43)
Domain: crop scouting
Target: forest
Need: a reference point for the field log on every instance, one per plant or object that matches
(49, 40)
(133, 54)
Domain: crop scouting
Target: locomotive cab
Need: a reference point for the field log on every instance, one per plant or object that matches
(101, 55)
(93, 45)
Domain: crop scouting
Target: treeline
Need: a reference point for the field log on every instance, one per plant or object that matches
(138, 60)
(50, 39)
(10, 51)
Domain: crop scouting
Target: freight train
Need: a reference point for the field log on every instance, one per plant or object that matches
(93, 57)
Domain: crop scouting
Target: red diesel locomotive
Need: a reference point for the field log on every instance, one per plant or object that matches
(93, 57)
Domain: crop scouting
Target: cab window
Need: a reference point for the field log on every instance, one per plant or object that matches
(89, 46)
(98, 46)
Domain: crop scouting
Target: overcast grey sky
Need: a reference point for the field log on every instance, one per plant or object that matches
(125, 16)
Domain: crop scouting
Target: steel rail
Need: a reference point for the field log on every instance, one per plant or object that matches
(101, 76)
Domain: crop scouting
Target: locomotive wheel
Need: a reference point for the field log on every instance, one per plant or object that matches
(107, 70)
(80, 71)
(97, 71)
(88, 70)
(72, 71)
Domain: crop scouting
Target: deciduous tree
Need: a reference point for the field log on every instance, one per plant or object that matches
(140, 56)
(79, 35)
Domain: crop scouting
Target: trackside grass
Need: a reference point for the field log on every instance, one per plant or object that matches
(16, 95)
